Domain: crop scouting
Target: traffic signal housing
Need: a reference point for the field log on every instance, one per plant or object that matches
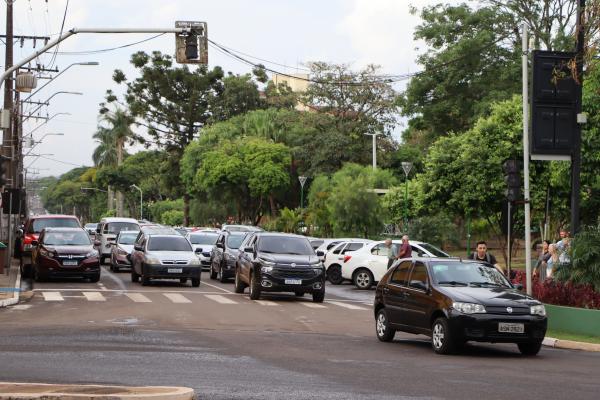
(512, 177)
(3, 169)
(191, 46)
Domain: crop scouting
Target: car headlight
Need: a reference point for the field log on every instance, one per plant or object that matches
(538, 310)
(266, 262)
(45, 253)
(194, 261)
(468, 308)
(152, 260)
(267, 268)
(92, 253)
(121, 252)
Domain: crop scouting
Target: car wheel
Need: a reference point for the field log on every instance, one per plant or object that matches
(239, 285)
(95, 278)
(220, 277)
(530, 348)
(334, 274)
(299, 293)
(363, 279)
(382, 327)
(441, 339)
(134, 276)
(254, 287)
(182, 280)
(114, 268)
(195, 282)
(213, 274)
(318, 296)
(145, 278)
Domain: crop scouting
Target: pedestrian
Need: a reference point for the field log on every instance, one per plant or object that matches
(405, 249)
(563, 246)
(542, 264)
(484, 256)
(552, 262)
(391, 252)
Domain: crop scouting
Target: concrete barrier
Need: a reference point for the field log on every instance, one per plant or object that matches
(581, 321)
(43, 391)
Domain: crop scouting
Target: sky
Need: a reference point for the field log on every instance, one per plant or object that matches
(288, 32)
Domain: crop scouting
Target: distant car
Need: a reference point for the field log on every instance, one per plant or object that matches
(328, 244)
(279, 262)
(121, 250)
(166, 255)
(338, 256)
(369, 264)
(225, 255)
(91, 228)
(455, 301)
(181, 230)
(31, 231)
(203, 243)
(107, 231)
(64, 252)
(241, 228)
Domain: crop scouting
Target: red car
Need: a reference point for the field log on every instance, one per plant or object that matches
(31, 231)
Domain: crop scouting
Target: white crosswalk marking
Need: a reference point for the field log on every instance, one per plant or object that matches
(346, 305)
(177, 298)
(94, 296)
(138, 298)
(266, 303)
(220, 299)
(52, 296)
(313, 305)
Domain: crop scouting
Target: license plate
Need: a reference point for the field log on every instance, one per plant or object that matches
(70, 262)
(293, 281)
(175, 270)
(506, 327)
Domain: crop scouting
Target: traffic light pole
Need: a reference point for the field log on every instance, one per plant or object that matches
(527, 206)
(576, 155)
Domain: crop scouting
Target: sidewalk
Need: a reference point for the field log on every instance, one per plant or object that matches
(10, 284)
(570, 344)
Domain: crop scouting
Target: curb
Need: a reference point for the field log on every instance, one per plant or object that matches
(16, 293)
(570, 344)
(43, 391)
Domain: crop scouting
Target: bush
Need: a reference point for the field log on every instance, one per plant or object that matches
(437, 230)
(172, 217)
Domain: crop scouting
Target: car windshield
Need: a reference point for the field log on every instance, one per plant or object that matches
(434, 250)
(169, 243)
(128, 238)
(116, 227)
(39, 224)
(77, 238)
(91, 226)
(285, 245)
(204, 238)
(467, 274)
(234, 241)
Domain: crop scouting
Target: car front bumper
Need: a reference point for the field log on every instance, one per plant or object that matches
(275, 281)
(485, 327)
(50, 267)
(162, 271)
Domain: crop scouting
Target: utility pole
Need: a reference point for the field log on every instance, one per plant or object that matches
(8, 86)
(374, 136)
(527, 206)
(576, 155)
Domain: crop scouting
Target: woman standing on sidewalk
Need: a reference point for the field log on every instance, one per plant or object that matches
(552, 262)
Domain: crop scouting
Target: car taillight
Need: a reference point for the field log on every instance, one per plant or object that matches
(347, 258)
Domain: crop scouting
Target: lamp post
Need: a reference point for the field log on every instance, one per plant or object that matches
(48, 120)
(141, 200)
(47, 101)
(60, 73)
(406, 166)
(374, 136)
(302, 180)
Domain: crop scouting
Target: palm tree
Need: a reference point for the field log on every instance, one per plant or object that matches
(111, 145)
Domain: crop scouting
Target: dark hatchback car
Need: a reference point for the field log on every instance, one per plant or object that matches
(455, 301)
(225, 255)
(278, 262)
(65, 252)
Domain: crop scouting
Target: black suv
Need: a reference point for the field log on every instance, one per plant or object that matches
(455, 301)
(278, 262)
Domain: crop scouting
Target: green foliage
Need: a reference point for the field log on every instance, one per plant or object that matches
(435, 229)
(158, 208)
(394, 204)
(584, 267)
(319, 215)
(172, 217)
(289, 220)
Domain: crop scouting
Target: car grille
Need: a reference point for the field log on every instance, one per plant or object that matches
(501, 310)
(293, 273)
(70, 258)
(174, 262)
(283, 265)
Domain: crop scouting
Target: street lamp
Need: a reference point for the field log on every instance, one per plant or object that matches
(47, 101)
(60, 73)
(34, 143)
(141, 201)
(374, 135)
(302, 180)
(406, 166)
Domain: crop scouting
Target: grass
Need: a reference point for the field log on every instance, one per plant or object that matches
(573, 337)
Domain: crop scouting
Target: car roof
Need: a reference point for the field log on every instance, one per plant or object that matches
(119, 219)
(275, 234)
(132, 232)
(45, 216)
(164, 235)
(65, 229)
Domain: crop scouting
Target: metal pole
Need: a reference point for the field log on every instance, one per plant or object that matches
(524, 56)
(508, 239)
(468, 234)
(374, 152)
(576, 155)
(405, 201)
(302, 197)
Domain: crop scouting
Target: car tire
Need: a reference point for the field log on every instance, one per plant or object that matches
(134, 275)
(95, 278)
(334, 274)
(318, 296)
(441, 338)
(363, 279)
(145, 278)
(195, 282)
(213, 274)
(114, 268)
(220, 276)
(530, 348)
(254, 287)
(382, 327)
(239, 285)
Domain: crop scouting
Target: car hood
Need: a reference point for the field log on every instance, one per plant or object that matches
(289, 258)
(172, 255)
(206, 248)
(126, 247)
(502, 297)
(70, 249)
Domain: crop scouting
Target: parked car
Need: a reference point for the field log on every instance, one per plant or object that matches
(121, 249)
(203, 243)
(225, 255)
(64, 252)
(279, 262)
(31, 231)
(455, 301)
(107, 232)
(164, 254)
(369, 264)
(329, 244)
(241, 228)
(90, 228)
(337, 256)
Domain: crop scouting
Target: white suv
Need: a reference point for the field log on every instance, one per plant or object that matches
(338, 256)
(368, 265)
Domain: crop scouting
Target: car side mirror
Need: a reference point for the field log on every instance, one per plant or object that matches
(98, 231)
(34, 243)
(248, 249)
(220, 246)
(138, 247)
(97, 243)
(320, 253)
(518, 286)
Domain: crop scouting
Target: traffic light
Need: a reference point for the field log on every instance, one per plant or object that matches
(191, 45)
(512, 177)
(553, 101)
(3, 169)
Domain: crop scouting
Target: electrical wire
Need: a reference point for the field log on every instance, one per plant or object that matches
(62, 27)
(264, 60)
(87, 52)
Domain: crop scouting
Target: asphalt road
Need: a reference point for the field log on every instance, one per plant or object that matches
(228, 347)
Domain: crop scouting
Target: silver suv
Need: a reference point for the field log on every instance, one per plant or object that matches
(160, 255)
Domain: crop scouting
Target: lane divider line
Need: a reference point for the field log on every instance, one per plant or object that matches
(220, 299)
(52, 296)
(345, 305)
(177, 298)
(94, 296)
(138, 298)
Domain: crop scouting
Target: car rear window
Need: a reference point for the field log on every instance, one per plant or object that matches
(169, 243)
(234, 241)
(128, 238)
(204, 238)
(434, 250)
(39, 224)
(116, 227)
